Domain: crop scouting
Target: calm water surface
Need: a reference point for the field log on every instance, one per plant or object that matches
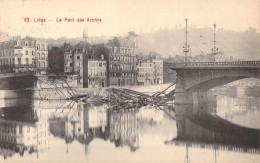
(223, 129)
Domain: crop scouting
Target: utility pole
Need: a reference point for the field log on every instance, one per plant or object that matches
(186, 46)
(214, 50)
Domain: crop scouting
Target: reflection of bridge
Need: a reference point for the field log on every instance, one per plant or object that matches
(206, 131)
(202, 76)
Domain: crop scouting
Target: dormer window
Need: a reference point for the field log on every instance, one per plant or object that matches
(102, 56)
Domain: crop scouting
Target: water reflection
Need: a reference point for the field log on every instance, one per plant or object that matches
(215, 122)
(150, 133)
(21, 130)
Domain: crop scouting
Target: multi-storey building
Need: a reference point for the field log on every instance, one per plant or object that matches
(41, 59)
(24, 54)
(78, 65)
(158, 70)
(97, 72)
(68, 58)
(145, 73)
(123, 60)
(92, 72)
(150, 72)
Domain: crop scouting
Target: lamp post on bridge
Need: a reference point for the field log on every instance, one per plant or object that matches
(186, 46)
(214, 49)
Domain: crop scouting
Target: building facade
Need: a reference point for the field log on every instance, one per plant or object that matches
(78, 65)
(123, 60)
(150, 72)
(25, 54)
(97, 73)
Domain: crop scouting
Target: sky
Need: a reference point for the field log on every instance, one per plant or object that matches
(120, 16)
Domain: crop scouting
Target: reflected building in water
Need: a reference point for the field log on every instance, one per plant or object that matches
(21, 129)
(124, 128)
(240, 105)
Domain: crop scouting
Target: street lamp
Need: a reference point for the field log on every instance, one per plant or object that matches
(186, 46)
(214, 49)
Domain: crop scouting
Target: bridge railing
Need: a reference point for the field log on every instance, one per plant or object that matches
(215, 64)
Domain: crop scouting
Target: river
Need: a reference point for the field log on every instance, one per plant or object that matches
(223, 128)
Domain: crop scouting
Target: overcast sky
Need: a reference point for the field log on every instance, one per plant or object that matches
(120, 16)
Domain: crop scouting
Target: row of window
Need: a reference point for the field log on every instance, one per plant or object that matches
(8, 138)
(8, 129)
(112, 74)
(41, 64)
(11, 53)
(11, 61)
(97, 64)
(95, 72)
(124, 50)
(6, 53)
(6, 61)
(122, 67)
(38, 46)
(151, 64)
(41, 47)
(149, 74)
(123, 58)
(146, 69)
(41, 56)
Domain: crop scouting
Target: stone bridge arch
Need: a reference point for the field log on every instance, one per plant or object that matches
(205, 79)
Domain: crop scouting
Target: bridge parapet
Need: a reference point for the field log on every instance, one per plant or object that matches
(243, 64)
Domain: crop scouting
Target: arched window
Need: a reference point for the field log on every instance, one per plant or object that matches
(43, 56)
(43, 64)
(38, 56)
(42, 47)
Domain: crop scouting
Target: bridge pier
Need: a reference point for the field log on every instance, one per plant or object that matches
(194, 97)
(183, 96)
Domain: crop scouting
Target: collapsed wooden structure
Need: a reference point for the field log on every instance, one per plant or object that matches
(122, 98)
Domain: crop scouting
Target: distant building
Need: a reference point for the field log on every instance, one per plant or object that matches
(150, 72)
(123, 60)
(100, 65)
(25, 54)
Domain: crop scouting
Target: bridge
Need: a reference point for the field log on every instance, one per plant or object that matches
(194, 77)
